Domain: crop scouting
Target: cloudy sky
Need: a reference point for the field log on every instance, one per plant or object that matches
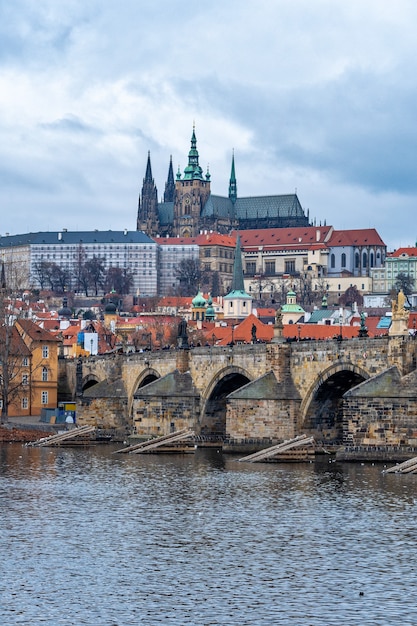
(315, 96)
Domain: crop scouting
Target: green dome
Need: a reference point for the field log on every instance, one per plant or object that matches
(199, 301)
(210, 312)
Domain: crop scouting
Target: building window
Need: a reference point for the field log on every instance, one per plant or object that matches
(343, 259)
(332, 261)
(364, 260)
(44, 397)
(250, 267)
(45, 352)
(356, 260)
(25, 379)
(290, 266)
(207, 252)
(25, 403)
(44, 374)
(270, 267)
(25, 361)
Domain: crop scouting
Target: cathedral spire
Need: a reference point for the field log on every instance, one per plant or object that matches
(193, 170)
(148, 218)
(238, 283)
(232, 182)
(148, 173)
(170, 184)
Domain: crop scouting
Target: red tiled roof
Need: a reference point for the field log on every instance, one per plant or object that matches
(358, 237)
(216, 239)
(35, 332)
(242, 333)
(322, 331)
(175, 301)
(404, 251)
(286, 237)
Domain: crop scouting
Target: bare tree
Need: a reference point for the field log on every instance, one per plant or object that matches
(119, 280)
(190, 276)
(406, 283)
(94, 271)
(42, 272)
(262, 287)
(350, 296)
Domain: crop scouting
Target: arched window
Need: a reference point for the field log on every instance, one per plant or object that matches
(371, 259)
(343, 259)
(356, 260)
(332, 261)
(364, 260)
(44, 374)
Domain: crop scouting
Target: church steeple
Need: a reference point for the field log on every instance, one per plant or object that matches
(148, 219)
(191, 194)
(232, 182)
(193, 171)
(238, 283)
(237, 303)
(170, 184)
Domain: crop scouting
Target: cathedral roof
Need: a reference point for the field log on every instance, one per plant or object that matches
(268, 206)
(255, 207)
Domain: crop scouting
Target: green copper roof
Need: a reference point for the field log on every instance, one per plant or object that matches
(292, 308)
(193, 170)
(199, 301)
(238, 284)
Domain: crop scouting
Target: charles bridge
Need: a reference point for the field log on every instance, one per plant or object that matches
(267, 392)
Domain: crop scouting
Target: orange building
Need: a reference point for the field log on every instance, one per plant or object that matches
(41, 390)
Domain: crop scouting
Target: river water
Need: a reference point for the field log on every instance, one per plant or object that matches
(89, 537)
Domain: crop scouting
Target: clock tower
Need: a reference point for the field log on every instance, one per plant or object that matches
(191, 193)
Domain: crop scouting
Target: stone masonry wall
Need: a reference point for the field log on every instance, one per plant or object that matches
(260, 419)
(380, 421)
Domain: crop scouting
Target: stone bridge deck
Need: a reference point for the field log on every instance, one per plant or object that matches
(266, 391)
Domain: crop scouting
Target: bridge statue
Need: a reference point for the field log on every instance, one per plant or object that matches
(182, 336)
(399, 323)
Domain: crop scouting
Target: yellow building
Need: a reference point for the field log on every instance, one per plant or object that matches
(41, 391)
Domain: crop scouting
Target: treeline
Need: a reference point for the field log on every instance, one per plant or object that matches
(88, 276)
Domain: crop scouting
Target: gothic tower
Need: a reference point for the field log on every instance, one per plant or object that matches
(169, 193)
(148, 219)
(191, 193)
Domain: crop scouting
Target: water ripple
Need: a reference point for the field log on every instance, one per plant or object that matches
(88, 537)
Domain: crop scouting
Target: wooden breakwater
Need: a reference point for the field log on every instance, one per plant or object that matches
(290, 450)
(407, 467)
(81, 435)
(178, 441)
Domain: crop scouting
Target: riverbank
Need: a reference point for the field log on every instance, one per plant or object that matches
(23, 429)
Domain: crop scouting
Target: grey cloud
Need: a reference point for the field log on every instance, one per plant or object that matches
(71, 124)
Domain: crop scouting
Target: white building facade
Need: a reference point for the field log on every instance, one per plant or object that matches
(132, 251)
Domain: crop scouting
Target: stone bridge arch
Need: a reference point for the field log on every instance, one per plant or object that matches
(89, 381)
(321, 409)
(145, 377)
(213, 400)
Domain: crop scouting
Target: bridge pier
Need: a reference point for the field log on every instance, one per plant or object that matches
(264, 392)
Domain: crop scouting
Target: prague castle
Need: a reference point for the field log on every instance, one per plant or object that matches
(188, 206)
